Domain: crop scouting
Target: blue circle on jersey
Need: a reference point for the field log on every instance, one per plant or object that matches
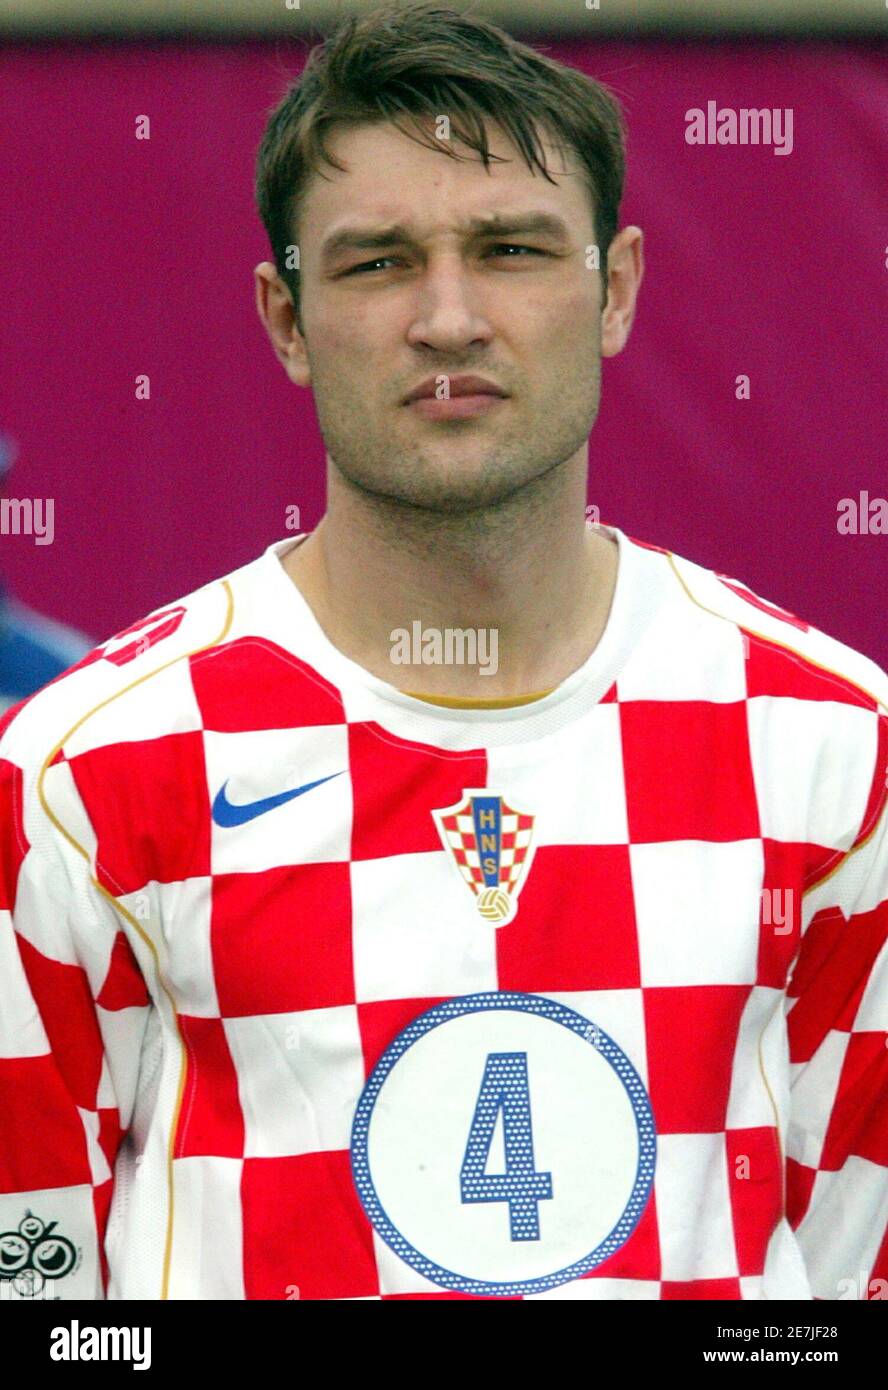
(633, 1087)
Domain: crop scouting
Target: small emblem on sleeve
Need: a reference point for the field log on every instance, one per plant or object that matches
(33, 1255)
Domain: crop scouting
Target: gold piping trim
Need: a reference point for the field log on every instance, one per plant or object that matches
(818, 882)
(773, 640)
(811, 662)
(465, 702)
(183, 1065)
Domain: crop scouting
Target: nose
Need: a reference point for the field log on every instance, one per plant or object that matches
(446, 315)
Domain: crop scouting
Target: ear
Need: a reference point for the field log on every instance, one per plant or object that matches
(274, 304)
(625, 270)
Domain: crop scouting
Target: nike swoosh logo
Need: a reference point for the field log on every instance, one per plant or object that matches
(226, 814)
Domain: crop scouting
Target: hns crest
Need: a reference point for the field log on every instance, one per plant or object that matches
(491, 846)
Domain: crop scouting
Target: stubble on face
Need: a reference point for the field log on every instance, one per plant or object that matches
(543, 349)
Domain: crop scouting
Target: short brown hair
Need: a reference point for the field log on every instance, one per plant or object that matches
(422, 61)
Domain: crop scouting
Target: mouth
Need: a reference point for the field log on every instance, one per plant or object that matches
(457, 407)
(455, 398)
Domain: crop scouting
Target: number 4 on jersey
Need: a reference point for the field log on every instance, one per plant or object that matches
(505, 1088)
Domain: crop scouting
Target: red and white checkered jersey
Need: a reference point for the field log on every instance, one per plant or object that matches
(312, 989)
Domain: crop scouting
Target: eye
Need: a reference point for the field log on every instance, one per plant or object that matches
(509, 247)
(367, 266)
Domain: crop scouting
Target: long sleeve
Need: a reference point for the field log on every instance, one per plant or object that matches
(837, 1023)
(73, 1012)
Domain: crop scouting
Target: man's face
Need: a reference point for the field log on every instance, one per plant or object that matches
(417, 269)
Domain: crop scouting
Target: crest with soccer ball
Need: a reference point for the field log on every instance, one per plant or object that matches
(491, 846)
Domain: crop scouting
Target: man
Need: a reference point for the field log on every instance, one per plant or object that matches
(461, 900)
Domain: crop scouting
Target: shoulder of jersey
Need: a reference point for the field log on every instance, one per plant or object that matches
(807, 651)
(146, 652)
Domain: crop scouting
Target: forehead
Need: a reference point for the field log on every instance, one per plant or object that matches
(390, 176)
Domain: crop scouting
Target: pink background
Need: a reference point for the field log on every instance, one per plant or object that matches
(123, 256)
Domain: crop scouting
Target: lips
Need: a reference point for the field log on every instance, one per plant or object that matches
(455, 386)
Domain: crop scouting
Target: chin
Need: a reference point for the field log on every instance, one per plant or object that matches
(453, 480)
(453, 496)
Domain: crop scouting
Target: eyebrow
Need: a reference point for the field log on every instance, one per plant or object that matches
(397, 234)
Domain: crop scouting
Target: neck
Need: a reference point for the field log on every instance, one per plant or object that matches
(527, 581)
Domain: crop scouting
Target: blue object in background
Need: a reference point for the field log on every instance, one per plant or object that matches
(33, 649)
